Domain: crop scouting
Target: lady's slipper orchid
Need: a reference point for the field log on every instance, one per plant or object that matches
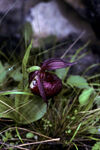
(44, 83)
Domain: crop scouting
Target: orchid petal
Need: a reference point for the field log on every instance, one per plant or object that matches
(32, 75)
(41, 88)
(55, 63)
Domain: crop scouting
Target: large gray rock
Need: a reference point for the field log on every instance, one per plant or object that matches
(53, 18)
(47, 18)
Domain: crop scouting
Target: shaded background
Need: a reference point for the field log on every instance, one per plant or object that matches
(52, 22)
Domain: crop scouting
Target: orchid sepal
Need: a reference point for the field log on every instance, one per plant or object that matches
(55, 63)
(33, 68)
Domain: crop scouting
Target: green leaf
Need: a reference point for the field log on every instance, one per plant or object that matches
(31, 110)
(16, 75)
(97, 101)
(96, 146)
(3, 73)
(77, 81)
(27, 111)
(6, 107)
(94, 130)
(85, 95)
(15, 92)
(25, 61)
(27, 32)
(61, 73)
(24, 110)
(29, 135)
(18, 134)
(19, 97)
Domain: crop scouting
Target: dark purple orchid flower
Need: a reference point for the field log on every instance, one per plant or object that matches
(44, 83)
